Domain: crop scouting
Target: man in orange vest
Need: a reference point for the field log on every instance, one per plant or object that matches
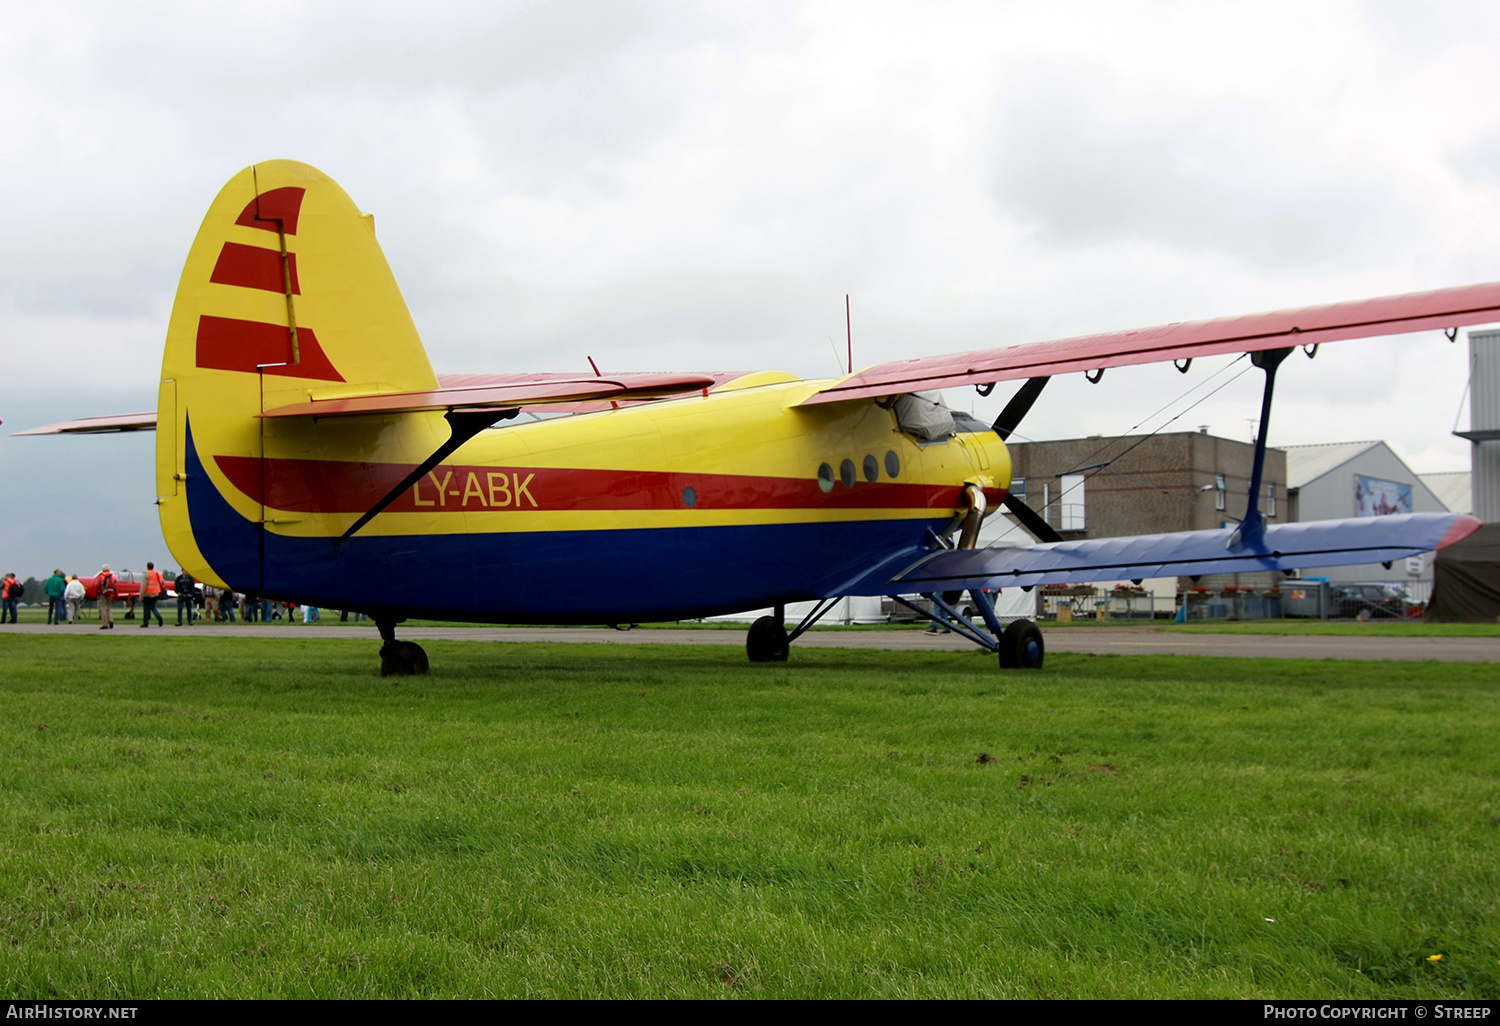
(108, 588)
(152, 588)
(10, 591)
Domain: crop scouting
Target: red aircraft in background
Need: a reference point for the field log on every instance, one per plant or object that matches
(127, 587)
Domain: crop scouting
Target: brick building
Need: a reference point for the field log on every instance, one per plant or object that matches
(1107, 487)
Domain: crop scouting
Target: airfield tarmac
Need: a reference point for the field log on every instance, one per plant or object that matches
(1095, 640)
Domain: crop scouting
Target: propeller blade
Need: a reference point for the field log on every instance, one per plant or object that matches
(1030, 518)
(1019, 405)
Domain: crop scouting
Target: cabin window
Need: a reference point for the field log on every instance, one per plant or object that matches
(689, 497)
(825, 477)
(872, 469)
(892, 464)
(846, 473)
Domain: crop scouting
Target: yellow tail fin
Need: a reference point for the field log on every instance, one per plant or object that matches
(286, 296)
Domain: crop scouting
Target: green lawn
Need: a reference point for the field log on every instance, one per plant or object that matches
(186, 816)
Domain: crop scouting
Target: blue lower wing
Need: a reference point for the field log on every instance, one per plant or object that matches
(1190, 553)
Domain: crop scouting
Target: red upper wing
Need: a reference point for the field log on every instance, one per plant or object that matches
(1387, 315)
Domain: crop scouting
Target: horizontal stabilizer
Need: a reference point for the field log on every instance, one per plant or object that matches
(502, 396)
(1189, 553)
(98, 425)
(464, 391)
(1311, 325)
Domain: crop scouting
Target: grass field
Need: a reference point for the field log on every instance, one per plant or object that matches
(250, 817)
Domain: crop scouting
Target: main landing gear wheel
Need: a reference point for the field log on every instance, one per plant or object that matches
(398, 658)
(766, 642)
(1021, 646)
(402, 659)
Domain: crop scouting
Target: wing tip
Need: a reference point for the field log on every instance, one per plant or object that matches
(1463, 526)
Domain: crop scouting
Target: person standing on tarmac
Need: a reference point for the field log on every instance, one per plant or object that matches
(108, 587)
(10, 591)
(152, 589)
(186, 588)
(57, 610)
(74, 594)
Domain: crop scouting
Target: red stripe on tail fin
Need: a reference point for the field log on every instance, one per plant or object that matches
(234, 345)
(254, 268)
(265, 210)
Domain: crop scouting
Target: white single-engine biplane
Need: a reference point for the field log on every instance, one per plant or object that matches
(306, 451)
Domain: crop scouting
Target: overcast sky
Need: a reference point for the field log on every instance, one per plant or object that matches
(670, 186)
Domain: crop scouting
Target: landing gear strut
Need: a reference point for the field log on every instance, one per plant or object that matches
(399, 658)
(1019, 644)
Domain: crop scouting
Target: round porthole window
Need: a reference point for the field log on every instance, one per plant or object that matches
(846, 473)
(892, 464)
(689, 497)
(872, 470)
(825, 478)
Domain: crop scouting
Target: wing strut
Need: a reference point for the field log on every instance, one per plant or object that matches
(1253, 526)
(463, 425)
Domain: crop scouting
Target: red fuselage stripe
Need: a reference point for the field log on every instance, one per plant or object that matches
(328, 486)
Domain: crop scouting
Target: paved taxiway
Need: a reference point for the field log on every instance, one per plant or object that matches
(1096, 640)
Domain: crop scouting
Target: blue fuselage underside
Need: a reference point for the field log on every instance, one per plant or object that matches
(599, 576)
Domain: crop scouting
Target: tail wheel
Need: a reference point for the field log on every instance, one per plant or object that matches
(766, 642)
(1021, 646)
(402, 659)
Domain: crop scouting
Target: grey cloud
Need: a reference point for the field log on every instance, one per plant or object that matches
(1208, 177)
(1480, 160)
(533, 42)
(478, 47)
(742, 321)
(75, 266)
(1424, 30)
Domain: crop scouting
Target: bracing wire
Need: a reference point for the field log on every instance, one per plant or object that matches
(1105, 466)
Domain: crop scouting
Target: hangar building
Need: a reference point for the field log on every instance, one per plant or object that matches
(1453, 489)
(1360, 479)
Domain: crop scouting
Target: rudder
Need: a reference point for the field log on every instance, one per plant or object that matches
(285, 296)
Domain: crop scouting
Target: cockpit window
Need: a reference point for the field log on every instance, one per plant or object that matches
(967, 423)
(925, 416)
